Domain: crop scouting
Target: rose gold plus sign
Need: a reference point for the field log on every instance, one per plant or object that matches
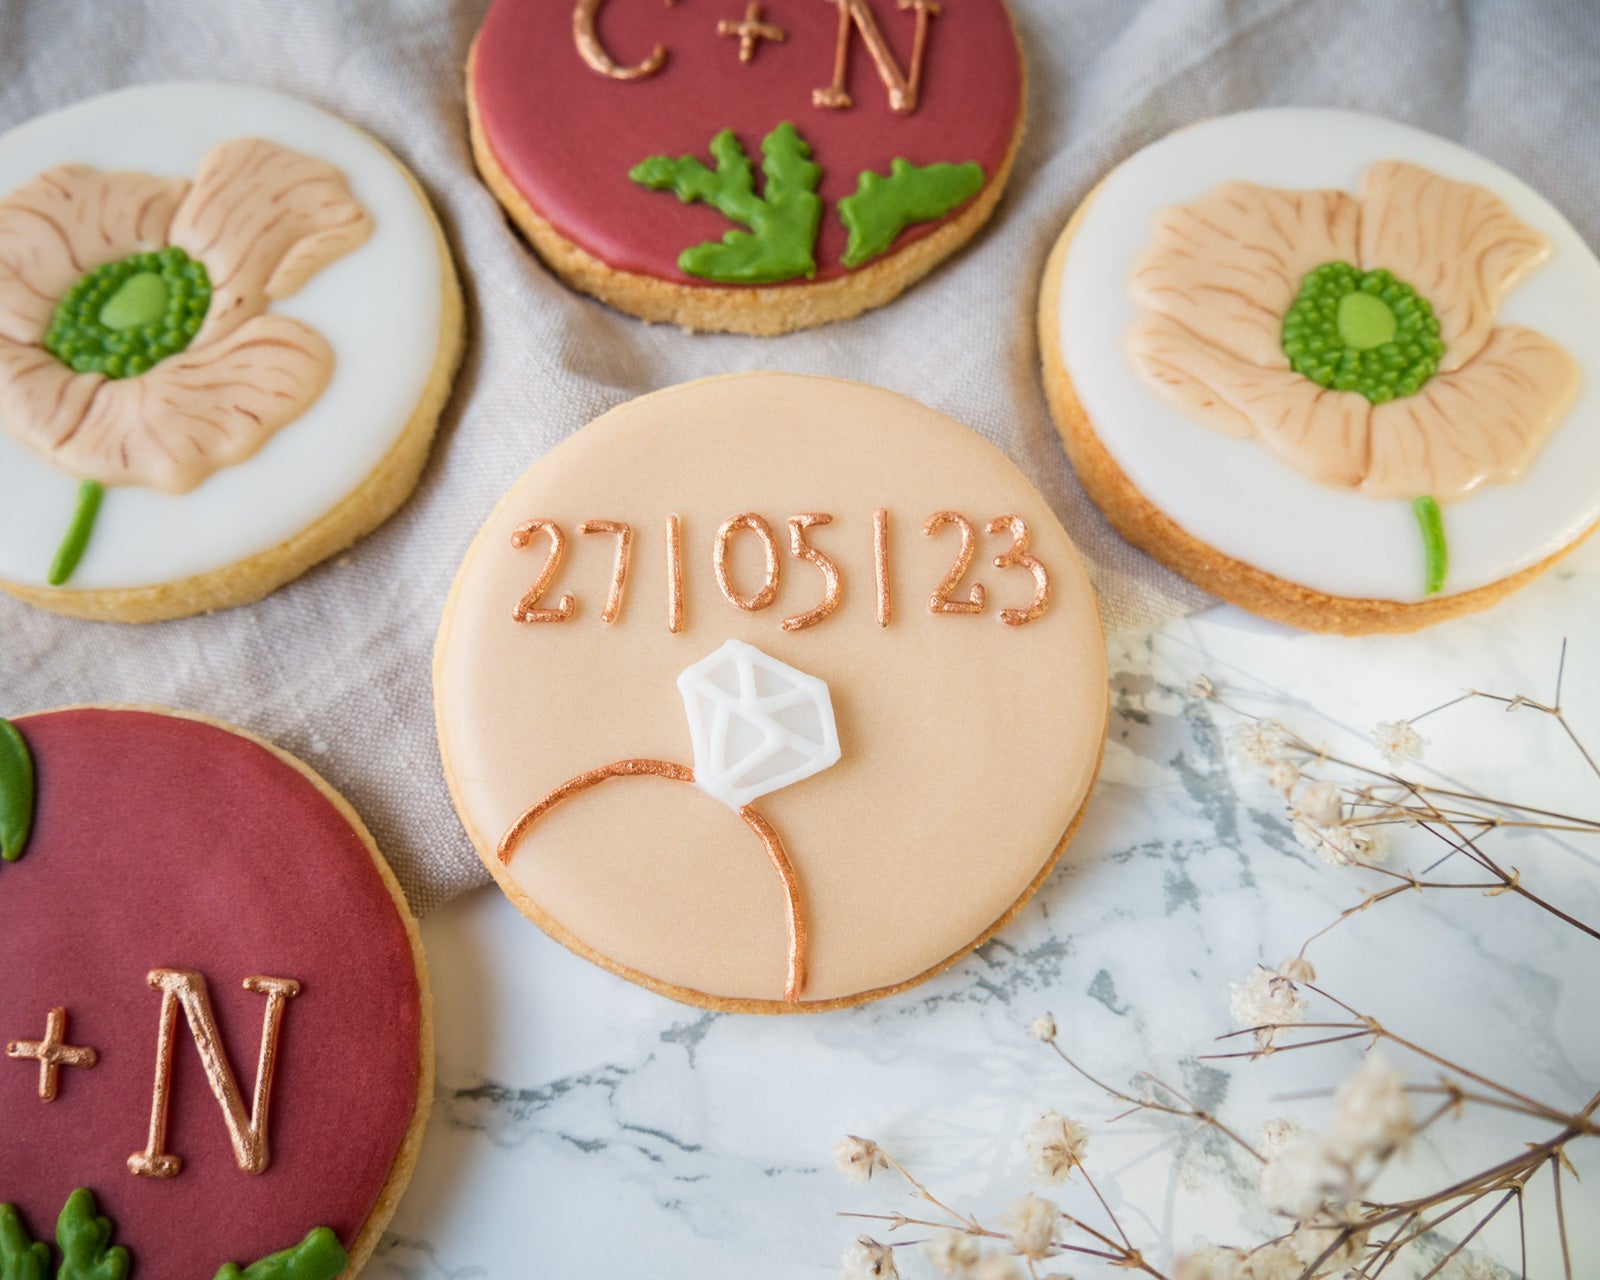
(52, 1053)
(750, 31)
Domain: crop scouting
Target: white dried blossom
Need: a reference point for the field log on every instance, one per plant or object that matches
(1258, 742)
(1276, 1134)
(1310, 1243)
(1031, 1225)
(1342, 845)
(952, 1252)
(1319, 805)
(997, 1266)
(1201, 687)
(1265, 1000)
(1372, 1112)
(1399, 741)
(1055, 1145)
(1283, 777)
(1215, 1262)
(1473, 1266)
(1297, 969)
(866, 1259)
(1043, 1028)
(1304, 1177)
(858, 1158)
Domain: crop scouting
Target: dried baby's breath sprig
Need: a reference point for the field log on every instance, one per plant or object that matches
(1398, 741)
(866, 1259)
(953, 1253)
(858, 1158)
(1266, 1002)
(1322, 1182)
(1055, 1145)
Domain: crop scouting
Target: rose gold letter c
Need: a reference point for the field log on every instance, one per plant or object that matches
(594, 53)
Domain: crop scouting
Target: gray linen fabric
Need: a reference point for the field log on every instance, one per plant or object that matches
(335, 667)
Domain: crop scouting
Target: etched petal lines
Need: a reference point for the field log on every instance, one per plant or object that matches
(1322, 434)
(206, 408)
(264, 219)
(1228, 265)
(1455, 243)
(67, 221)
(1484, 422)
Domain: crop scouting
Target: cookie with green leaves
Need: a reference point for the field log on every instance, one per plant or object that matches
(754, 168)
(217, 1031)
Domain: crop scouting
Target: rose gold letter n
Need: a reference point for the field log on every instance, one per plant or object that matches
(248, 1132)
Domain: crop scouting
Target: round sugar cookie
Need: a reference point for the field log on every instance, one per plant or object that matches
(228, 324)
(771, 692)
(216, 1012)
(1333, 369)
(749, 167)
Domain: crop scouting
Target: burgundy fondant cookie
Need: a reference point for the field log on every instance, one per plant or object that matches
(218, 1046)
(624, 138)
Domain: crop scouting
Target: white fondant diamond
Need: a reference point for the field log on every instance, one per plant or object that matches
(756, 723)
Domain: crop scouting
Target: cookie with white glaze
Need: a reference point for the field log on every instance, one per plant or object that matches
(771, 692)
(1331, 368)
(754, 168)
(228, 324)
(216, 1019)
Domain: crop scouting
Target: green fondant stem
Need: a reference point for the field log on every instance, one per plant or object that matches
(16, 796)
(76, 541)
(1435, 551)
(319, 1256)
(882, 208)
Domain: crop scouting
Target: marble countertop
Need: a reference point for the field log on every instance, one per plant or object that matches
(584, 1126)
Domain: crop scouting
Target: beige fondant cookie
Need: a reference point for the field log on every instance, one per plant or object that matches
(228, 324)
(1329, 367)
(771, 692)
(768, 168)
(216, 1016)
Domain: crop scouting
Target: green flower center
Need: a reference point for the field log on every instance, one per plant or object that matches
(124, 316)
(1361, 331)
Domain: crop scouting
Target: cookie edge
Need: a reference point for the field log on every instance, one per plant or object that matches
(361, 511)
(1143, 524)
(760, 311)
(405, 1158)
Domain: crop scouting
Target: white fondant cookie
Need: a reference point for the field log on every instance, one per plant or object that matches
(1335, 369)
(228, 323)
(847, 620)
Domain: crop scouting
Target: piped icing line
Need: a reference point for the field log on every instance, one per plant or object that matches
(793, 905)
(778, 704)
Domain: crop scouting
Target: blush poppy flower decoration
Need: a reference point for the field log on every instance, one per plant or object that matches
(136, 344)
(1356, 336)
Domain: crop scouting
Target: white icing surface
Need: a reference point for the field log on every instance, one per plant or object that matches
(379, 306)
(1234, 494)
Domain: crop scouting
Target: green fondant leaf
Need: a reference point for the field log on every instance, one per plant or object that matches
(16, 798)
(882, 208)
(319, 1256)
(783, 220)
(85, 1241)
(21, 1257)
